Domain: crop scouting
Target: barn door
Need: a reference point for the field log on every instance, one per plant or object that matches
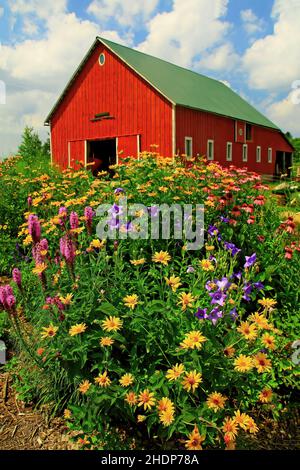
(76, 150)
(128, 146)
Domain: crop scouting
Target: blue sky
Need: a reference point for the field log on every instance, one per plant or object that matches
(250, 45)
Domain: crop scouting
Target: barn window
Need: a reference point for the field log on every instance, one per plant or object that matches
(210, 150)
(248, 132)
(229, 152)
(102, 59)
(258, 154)
(270, 156)
(245, 153)
(188, 146)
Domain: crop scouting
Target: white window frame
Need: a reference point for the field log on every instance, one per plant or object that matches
(186, 140)
(210, 141)
(229, 146)
(245, 155)
(270, 155)
(258, 154)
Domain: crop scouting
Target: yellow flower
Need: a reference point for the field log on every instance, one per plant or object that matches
(67, 414)
(137, 262)
(229, 351)
(40, 268)
(173, 282)
(166, 417)
(77, 329)
(49, 331)
(269, 341)
(193, 340)
(126, 380)
(230, 428)
(131, 301)
(146, 399)
(141, 418)
(66, 300)
(165, 404)
(28, 240)
(216, 401)
(206, 265)
(112, 324)
(243, 363)
(241, 419)
(186, 300)
(84, 387)
(103, 380)
(131, 398)
(259, 319)
(175, 372)
(191, 380)
(251, 426)
(265, 395)
(106, 341)
(97, 244)
(248, 330)
(268, 304)
(162, 257)
(262, 363)
(194, 441)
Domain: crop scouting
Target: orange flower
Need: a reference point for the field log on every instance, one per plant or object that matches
(193, 340)
(126, 380)
(241, 419)
(230, 428)
(77, 329)
(243, 363)
(103, 380)
(161, 257)
(265, 395)
(165, 404)
(251, 426)
(173, 282)
(216, 401)
(131, 301)
(186, 300)
(194, 441)
(84, 386)
(229, 351)
(166, 417)
(175, 372)
(112, 324)
(262, 363)
(269, 341)
(191, 380)
(247, 330)
(49, 331)
(131, 398)
(106, 341)
(146, 399)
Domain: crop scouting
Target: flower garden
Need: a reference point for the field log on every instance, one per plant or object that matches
(175, 349)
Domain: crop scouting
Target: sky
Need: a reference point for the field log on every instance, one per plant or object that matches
(251, 45)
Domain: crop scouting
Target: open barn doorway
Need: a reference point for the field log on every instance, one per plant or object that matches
(103, 153)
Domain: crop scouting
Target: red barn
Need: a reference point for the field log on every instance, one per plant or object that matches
(120, 102)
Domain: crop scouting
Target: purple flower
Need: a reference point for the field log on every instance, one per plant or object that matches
(218, 298)
(29, 201)
(212, 231)
(214, 315)
(210, 285)
(34, 228)
(258, 286)
(233, 314)
(74, 221)
(115, 210)
(153, 211)
(17, 277)
(247, 289)
(223, 284)
(250, 260)
(190, 269)
(67, 249)
(232, 248)
(201, 313)
(224, 219)
(7, 298)
(238, 275)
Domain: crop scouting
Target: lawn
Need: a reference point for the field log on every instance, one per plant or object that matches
(191, 348)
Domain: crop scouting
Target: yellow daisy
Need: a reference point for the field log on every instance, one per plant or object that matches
(161, 257)
(173, 282)
(131, 398)
(191, 380)
(49, 331)
(185, 300)
(131, 301)
(249, 331)
(193, 340)
(243, 363)
(112, 324)
(84, 386)
(106, 341)
(137, 262)
(175, 372)
(265, 395)
(103, 380)
(194, 441)
(146, 399)
(262, 363)
(216, 401)
(77, 329)
(126, 380)
(269, 341)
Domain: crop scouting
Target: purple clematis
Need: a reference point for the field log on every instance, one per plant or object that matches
(223, 284)
(234, 250)
(247, 289)
(214, 315)
(201, 313)
(218, 298)
(250, 260)
(212, 230)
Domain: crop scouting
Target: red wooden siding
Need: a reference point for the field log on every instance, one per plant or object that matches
(202, 126)
(136, 108)
(240, 131)
(128, 146)
(76, 153)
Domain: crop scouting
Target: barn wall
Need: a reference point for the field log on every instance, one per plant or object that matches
(202, 126)
(136, 107)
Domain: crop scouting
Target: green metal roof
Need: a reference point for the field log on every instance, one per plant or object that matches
(187, 88)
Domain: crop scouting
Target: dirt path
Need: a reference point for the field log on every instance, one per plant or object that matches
(23, 428)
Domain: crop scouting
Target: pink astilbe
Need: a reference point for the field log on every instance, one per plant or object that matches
(7, 299)
(29, 201)
(62, 213)
(74, 221)
(17, 277)
(89, 215)
(67, 249)
(39, 251)
(34, 228)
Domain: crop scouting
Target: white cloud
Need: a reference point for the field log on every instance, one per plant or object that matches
(221, 58)
(43, 9)
(1, 11)
(124, 12)
(286, 114)
(251, 23)
(272, 63)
